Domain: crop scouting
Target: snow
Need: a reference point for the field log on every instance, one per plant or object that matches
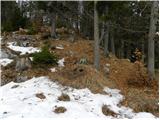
(61, 62)
(5, 61)
(53, 69)
(21, 102)
(143, 115)
(157, 33)
(23, 50)
(107, 64)
(60, 47)
(31, 58)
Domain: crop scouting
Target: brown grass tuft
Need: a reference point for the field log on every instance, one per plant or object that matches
(60, 110)
(106, 111)
(64, 97)
(40, 95)
(81, 76)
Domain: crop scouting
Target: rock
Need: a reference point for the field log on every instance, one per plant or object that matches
(23, 64)
(23, 43)
(22, 37)
(106, 68)
(4, 54)
(72, 36)
(5, 112)
(15, 86)
(21, 79)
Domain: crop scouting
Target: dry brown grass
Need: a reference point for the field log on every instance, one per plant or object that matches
(60, 110)
(64, 97)
(40, 95)
(130, 78)
(106, 111)
(81, 76)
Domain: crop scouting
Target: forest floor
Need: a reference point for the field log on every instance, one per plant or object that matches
(130, 78)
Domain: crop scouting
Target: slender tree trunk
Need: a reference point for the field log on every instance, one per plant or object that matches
(53, 25)
(128, 50)
(96, 38)
(102, 33)
(77, 24)
(112, 42)
(80, 7)
(122, 49)
(143, 53)
(106, 37)
(152, 31)
(106, 40)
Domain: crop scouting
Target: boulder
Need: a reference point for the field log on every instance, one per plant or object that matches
(23, 63)
(21, 79)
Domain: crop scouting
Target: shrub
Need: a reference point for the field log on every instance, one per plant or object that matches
(44, 57)
(31, 31)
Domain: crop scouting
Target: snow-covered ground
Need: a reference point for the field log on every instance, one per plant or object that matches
(61, 62)
(23, 50)
(18, 100)
(5, 61)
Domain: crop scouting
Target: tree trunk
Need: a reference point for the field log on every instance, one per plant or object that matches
(102, 33)
(112, 42)
(122, 49)
(143, 52)
(53, 25)
(152, 31)
(106, 37)
(96, 38)
(129, 50)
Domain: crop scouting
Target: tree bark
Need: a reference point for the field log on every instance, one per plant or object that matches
(143, 52)
(152, 31)
(53, 25)
(96, 38)
(112, 42)
(122, 49)
(106, 36)
(102, 33)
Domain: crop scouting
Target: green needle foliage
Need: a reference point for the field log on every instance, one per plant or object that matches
(45, 57)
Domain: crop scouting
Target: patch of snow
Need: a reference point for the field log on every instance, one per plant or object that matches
(157, 33)
(60, 47)
(23, 50)
(5, 61)
(143, 115)
(107, 64)
(21, 102)
(31, 58)
(53, 69)
(61, 62)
